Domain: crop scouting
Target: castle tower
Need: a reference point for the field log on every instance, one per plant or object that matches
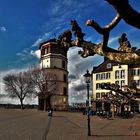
(54, 60)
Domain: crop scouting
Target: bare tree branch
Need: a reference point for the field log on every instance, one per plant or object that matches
(124, 55)
(45, 84)
(127, 13)
(105, 31)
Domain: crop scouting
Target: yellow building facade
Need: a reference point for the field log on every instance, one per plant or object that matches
(111, 72)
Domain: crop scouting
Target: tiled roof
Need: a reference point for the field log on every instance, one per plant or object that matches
(103, 66)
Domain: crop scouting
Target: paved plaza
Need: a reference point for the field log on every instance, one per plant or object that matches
(37, 125)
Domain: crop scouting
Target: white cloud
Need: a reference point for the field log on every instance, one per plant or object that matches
(113, 39)
(24, 55)
(47, 35)
(44, 37)
(37, 42)
(3, 29)
(20, 54)
(77, 66)
(35, 53)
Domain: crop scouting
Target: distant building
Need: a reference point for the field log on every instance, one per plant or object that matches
(54, 60)
(112, 72)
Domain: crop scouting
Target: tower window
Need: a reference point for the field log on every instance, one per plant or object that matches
(65, 78)
(46, 51)
(65, 91)
(63, 64)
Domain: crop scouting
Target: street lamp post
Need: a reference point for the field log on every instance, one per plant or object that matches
(88, 80)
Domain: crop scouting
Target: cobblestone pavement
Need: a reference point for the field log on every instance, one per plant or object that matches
(73, 126)
(23, 124)
(36, 125)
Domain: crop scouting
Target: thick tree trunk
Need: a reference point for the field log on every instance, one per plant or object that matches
(21, 104)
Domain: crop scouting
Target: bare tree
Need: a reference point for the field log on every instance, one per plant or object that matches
(45, 85)
(19, 86)
(127, 92)
(123, 96)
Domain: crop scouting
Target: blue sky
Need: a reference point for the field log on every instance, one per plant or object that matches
(24, 24)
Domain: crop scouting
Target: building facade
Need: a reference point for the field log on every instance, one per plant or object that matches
(54, 60)
(112, 72)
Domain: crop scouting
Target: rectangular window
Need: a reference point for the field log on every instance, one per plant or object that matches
(117, 82)
(65, 91)
(138, 71)
(107, 94)
(138, 82)
(97, 95)
(65, 78)
(107, 75)
(98, 86)
(102, 94)
(117, 74)
(97, 76)
(133, 72)
(122, 83)
(63, 64)
(102, 76)
(122, 73)
(46, 50)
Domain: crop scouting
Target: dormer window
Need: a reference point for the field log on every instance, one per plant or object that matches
(108, 65)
